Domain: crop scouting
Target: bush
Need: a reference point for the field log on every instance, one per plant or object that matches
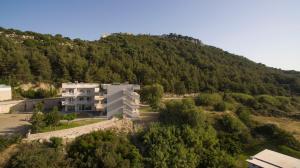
(104, 149)
(38, 156)
(173, 146)
(152, 94)
(244, 115)
(234, 126)
(277, 135)
(37, 121)
(222, 106)
(37, 94)
(40, 120)
(52, 118)
(6, 141)
(69, 117)
(56, 142)
(244, 99)
(205, 99)
(267, 99)
(182, 113)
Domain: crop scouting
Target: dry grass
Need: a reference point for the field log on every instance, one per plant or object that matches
(292, 126)
(7, 153)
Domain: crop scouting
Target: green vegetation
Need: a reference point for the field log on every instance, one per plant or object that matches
(40, 120)
(183, 137)
(35, 94)
(37, 155)
(51, 121)
(152, 94)
(104, 149)
(206, 99)
(180, 64)
(72, 124)
(56, 142)
(70, 117)
(245, 104)
(5, 141)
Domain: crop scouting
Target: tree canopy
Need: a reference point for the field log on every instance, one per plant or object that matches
(180, 64)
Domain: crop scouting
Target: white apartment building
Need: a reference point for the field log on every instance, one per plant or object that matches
(5, 92)
(121, 99)
(80, 96)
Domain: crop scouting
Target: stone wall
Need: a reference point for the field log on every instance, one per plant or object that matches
(28, 105)
(122, 125)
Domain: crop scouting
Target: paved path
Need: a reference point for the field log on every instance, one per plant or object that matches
(72, 133)
(13, 123)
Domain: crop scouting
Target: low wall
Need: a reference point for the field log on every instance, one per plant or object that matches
(71, 133)
(28, 105)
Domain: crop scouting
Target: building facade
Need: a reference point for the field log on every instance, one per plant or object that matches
(5, 93)
(80, 97)
(121, 99)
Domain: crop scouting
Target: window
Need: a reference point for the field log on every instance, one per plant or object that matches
(71, 90)
(71, 99)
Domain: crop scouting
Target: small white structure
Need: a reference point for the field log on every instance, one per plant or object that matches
(121, 99)
(80, 96)
(271, 159)
(5, 92)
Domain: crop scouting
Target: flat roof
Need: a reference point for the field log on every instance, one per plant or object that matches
(4, 86)
(270, 159)
(80, 85)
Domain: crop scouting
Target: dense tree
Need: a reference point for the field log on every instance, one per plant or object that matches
(104, 149)
(180, 64)
(183, 139)
(152, 95)
(39, 156)
(182, 112)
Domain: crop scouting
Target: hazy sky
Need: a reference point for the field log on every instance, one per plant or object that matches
(266, 31)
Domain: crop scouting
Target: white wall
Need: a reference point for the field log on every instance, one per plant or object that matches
(5, 94)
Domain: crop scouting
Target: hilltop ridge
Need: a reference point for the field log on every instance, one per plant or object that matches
(181, 64)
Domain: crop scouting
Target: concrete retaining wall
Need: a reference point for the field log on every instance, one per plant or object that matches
(71, 133)
(28, 104)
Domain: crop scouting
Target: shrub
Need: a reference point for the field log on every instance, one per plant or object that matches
(37, 121)
(152, 94)
(205, 99)
(245, 99)
(37, 94)
(222, 106)
(39, 156)
(52, 118)
(244, 114)
(235, 127)
(267, 99)
(277, 135)
(104, 149)
(56, 142)
(5, 141)
(182, 112)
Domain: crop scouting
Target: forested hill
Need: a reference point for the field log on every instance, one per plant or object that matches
(181, 64)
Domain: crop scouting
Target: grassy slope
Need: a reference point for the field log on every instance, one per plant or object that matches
(290, 125)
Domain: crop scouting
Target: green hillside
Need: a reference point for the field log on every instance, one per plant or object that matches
(181, 64)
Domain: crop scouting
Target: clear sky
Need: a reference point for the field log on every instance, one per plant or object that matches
(266, 31)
